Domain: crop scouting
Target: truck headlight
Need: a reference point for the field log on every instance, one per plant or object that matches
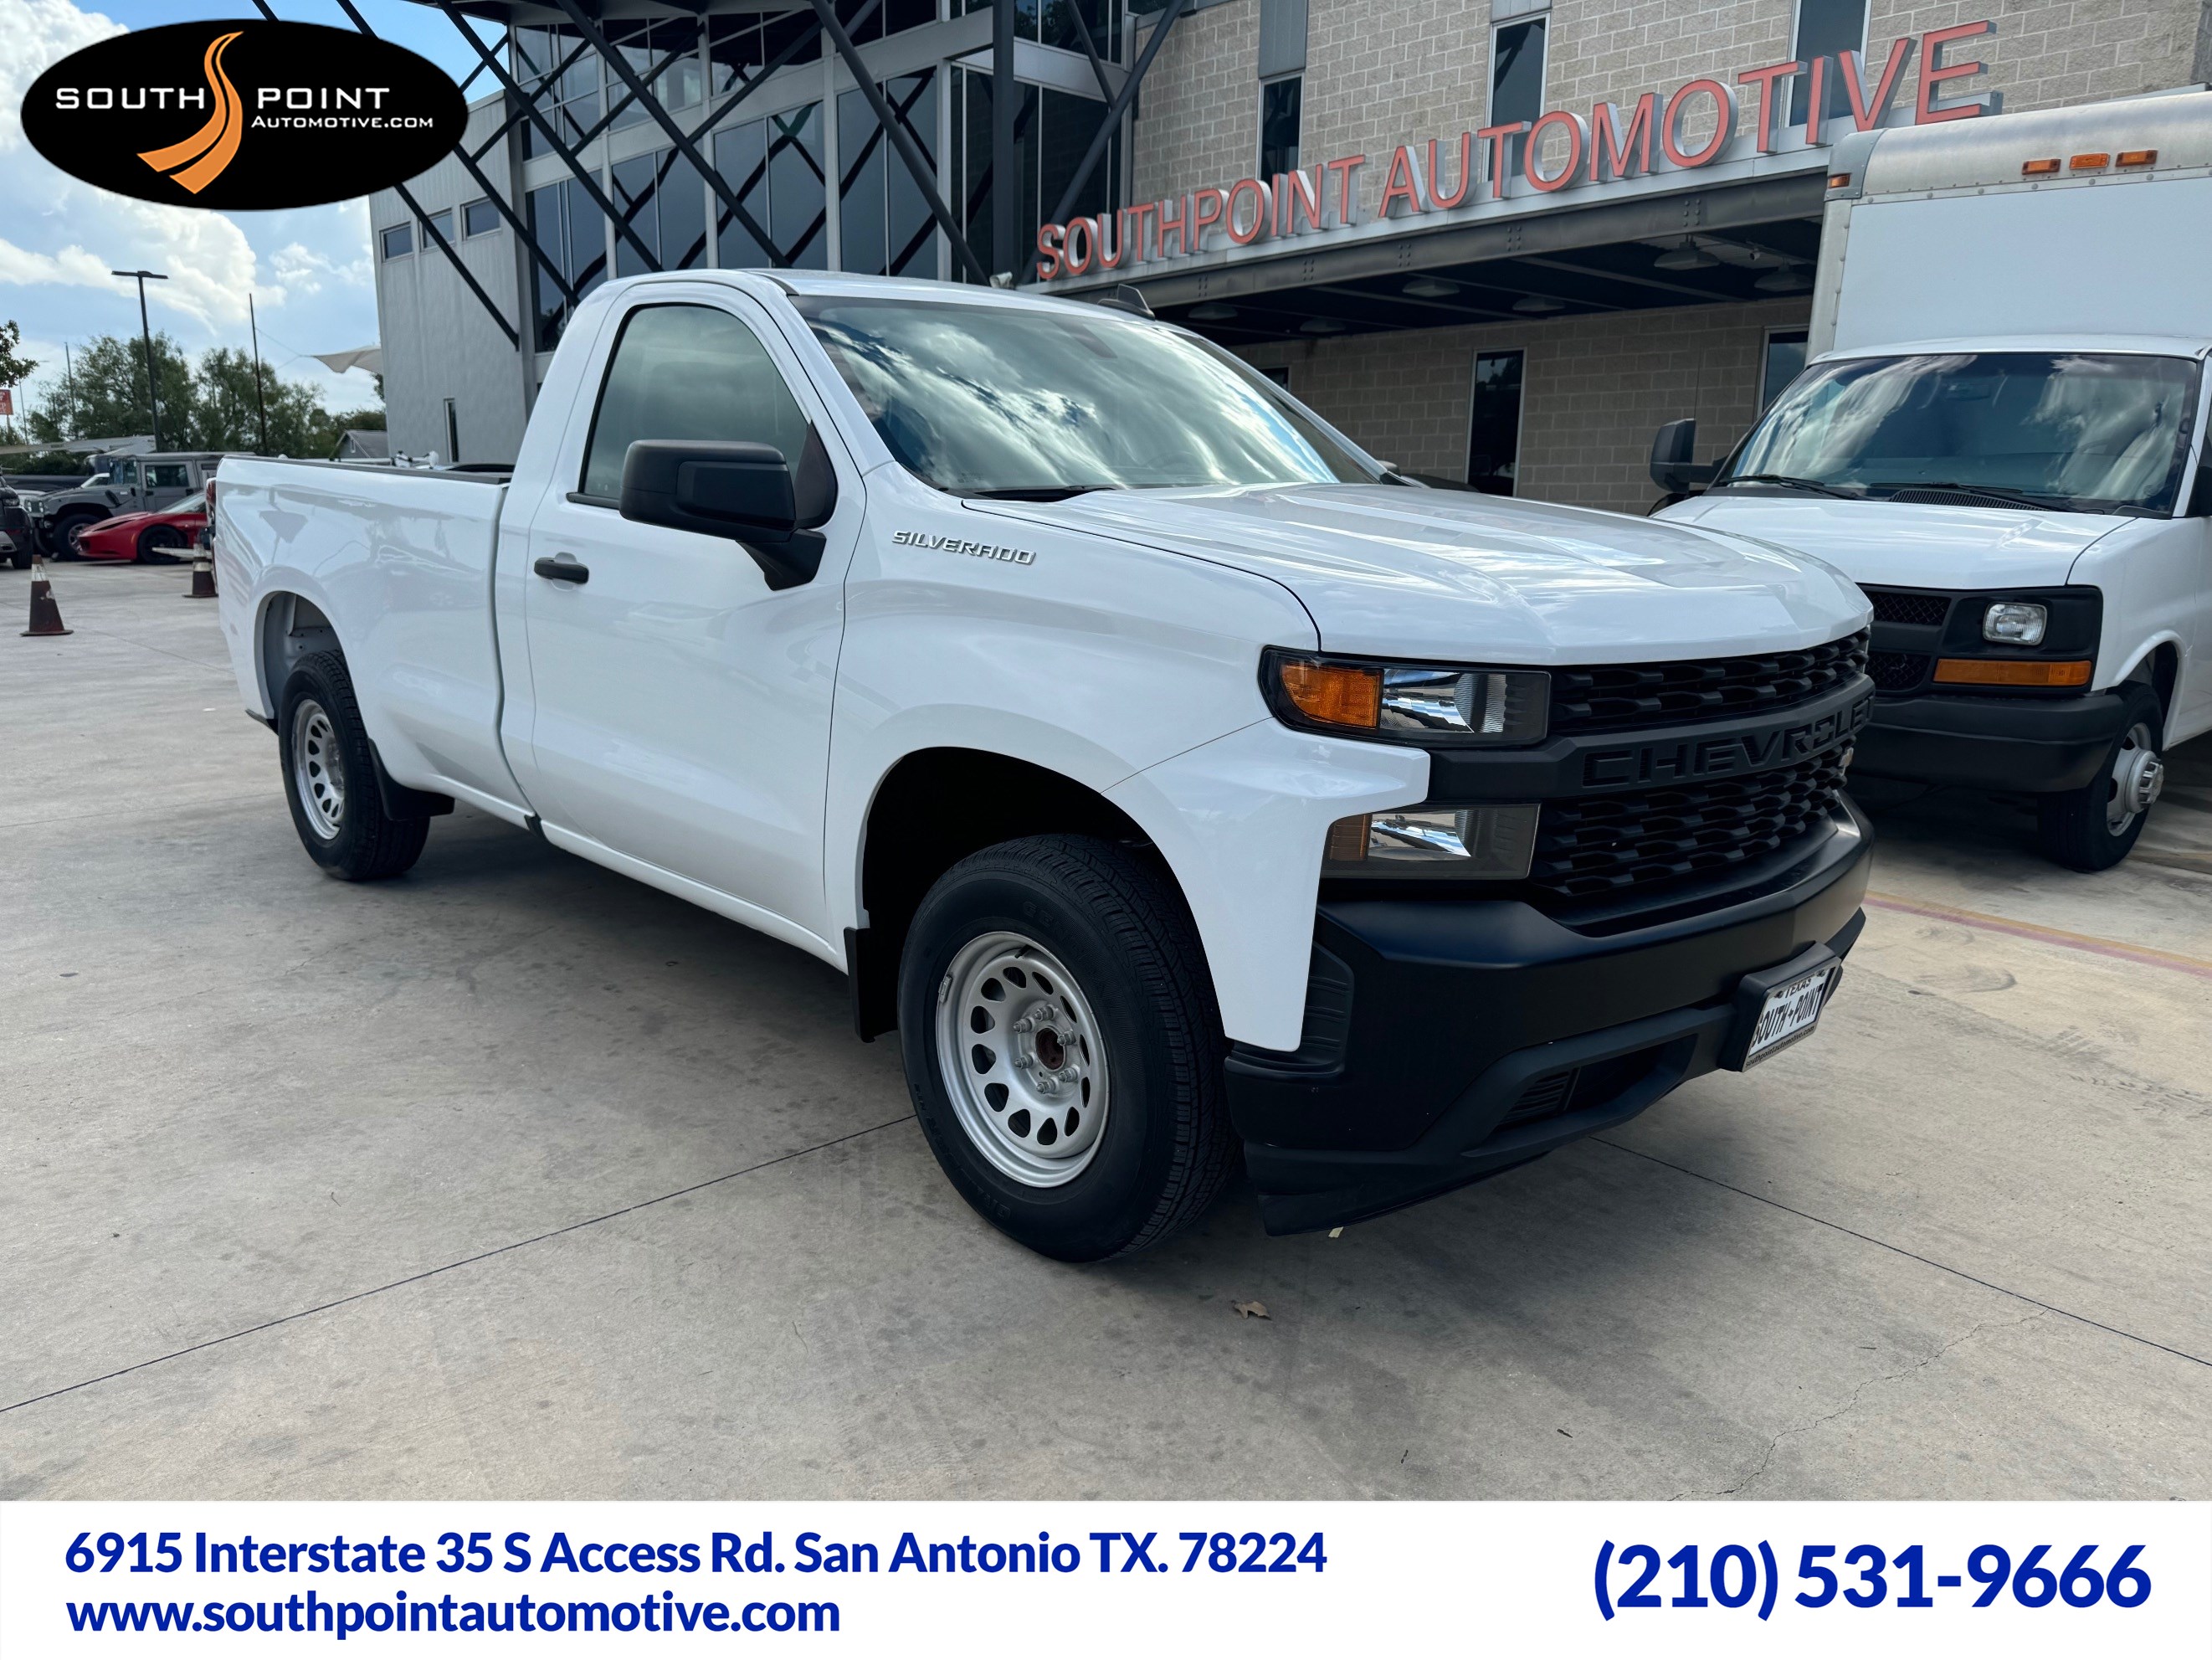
(2014, 623)
(1414, 702)
(1491, 843)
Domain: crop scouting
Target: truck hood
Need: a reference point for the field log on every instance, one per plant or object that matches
(1385, 570)
(1911, 543)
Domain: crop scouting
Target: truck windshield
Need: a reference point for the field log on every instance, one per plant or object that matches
(1004, 400)
(2079, 432)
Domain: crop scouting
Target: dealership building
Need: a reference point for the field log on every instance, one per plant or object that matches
(1498, 243)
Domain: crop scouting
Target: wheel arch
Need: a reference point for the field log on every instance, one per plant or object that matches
(933, 808)
(290, 626)
(2157, 664)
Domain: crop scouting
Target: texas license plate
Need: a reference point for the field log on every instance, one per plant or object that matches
(1791, 1010)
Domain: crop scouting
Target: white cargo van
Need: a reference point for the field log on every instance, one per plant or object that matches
(1999, 436)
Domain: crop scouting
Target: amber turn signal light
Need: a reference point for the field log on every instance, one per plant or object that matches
(2032, 169)
(1335, 694)
(2013, 671)
(2138, 158)
(2089, 161)
(1839, 180)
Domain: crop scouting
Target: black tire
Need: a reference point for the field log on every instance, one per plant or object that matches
(345, 830)
(20, 558)
(159, 543)
(64, 536)
(1164, 1146)
(2076, 827)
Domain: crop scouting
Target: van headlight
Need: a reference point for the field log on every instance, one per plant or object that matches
(2015, 623)
(1415, 702)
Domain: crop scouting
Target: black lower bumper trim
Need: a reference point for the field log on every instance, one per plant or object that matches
(2035, 745)
(1482, 1037)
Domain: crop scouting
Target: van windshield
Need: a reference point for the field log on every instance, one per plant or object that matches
(1004, 400)
(2079, 432)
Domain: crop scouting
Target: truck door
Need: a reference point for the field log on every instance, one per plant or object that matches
(682, 707)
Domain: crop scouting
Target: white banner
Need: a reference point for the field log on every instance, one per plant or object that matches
(1070, 1580)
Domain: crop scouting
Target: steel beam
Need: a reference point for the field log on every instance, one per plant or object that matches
(577, 170)
(1116, 110)
(924, 178)
(1005, 162)
(406, 196)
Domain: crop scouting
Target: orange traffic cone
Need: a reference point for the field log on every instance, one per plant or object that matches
(202, 574)
(46, 615)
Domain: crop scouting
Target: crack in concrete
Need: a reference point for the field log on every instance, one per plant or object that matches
(1766, 1457)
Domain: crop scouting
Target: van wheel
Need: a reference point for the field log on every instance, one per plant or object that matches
(2094, 827)
(1063, 1047)
(330, 778)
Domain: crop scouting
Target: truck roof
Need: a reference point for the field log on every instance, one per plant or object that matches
(2150, 345)
(855, 286)
(2174, 128)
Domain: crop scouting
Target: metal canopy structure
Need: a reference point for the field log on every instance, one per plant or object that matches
(1728, 243)
(589, 30)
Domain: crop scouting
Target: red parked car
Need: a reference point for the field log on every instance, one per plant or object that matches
(162, 535)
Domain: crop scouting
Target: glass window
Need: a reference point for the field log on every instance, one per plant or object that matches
(440, 222)
(688, 372)
(1517, 79)
(1493, 442)
(733, 50)
(981, 399)
(662, 199)
(479, 217)
(741, 159)
(569, 226)
(796, 187)
(1785, 361)
(2085, 432)
(884, 220)
(398, 241)
(1052, 130)
(572, 106)
(1278, 125)
(1825, 27)
(168, 476)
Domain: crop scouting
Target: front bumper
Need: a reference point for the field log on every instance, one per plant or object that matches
(1449, 1041)
(2036, 745)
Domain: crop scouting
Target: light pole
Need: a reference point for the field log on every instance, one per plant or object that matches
(146, 333)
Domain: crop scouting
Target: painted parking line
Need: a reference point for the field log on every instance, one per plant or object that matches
(2088, 942)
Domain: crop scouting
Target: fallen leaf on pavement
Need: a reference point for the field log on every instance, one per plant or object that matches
(1252, 1311)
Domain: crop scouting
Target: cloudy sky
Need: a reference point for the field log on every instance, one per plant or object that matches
(308, 270)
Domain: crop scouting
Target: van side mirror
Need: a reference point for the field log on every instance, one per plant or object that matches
(2200, 493)
(1672, 469)
(743, 491)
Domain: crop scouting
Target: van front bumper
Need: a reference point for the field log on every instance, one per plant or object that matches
(1451, 1040)
(2035, 745)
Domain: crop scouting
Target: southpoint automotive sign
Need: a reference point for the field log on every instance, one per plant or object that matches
(1695, 126)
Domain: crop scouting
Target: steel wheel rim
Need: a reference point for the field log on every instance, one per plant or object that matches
(2137, 776)
(317, 771)
(1022, 1058)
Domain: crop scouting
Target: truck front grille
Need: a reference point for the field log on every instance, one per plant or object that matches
(1597, 846)
(1925, 611)
(1613, 696)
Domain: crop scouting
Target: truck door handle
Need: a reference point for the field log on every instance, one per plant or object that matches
(562, 570)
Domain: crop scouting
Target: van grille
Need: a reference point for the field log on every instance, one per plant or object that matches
(1903, 606)
(1896, 670)
(1613, 696)
(1595, 846)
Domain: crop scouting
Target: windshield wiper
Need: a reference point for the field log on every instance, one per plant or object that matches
(1994, 491)
(1786, 482)
(1033, 492)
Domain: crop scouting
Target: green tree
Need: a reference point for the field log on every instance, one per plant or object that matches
(105, 396)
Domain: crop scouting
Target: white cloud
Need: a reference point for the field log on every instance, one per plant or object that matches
(60, 238)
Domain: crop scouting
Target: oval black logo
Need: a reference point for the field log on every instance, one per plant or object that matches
(244, 114)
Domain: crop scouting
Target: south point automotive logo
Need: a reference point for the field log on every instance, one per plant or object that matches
(244, 114)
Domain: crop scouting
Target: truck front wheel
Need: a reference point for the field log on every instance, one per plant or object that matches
(1063, 1047)
(2094, 828)
(330, 778)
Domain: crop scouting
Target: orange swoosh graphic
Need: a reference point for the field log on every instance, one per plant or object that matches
(216, 143)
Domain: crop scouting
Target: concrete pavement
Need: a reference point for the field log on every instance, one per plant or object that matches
(514, 1178)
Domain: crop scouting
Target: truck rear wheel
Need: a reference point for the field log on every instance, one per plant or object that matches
(1063, 1048)
(330, 778)
(2094, 828)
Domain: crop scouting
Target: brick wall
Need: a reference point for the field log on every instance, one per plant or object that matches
(1594, 389)
(1383, 72)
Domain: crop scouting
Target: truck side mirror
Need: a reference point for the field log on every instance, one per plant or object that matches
(743, 491)
(1672, 469)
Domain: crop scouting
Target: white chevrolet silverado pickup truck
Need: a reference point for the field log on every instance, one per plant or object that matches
(1173, 777)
